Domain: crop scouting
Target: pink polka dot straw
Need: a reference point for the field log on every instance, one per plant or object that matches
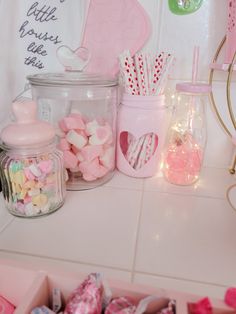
(144, 75)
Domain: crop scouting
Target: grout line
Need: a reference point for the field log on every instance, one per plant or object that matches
(114, 268)
(137, 235)
(132, 273)
(124, 188)
(187, 195)
(160, 15)
(181, 279)
(58, 259)
(6, 224)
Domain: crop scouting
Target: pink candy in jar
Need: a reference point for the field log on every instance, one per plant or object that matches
(183, 160)
(186, 139)
(82, 107)
(88, 148)
(31, 168)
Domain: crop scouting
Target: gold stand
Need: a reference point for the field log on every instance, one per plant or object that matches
(228, 93)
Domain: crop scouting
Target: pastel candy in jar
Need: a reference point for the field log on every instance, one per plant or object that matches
(82, 107)
(31, 166)
(88, 146)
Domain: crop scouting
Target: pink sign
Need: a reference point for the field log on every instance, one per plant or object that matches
(113, 26)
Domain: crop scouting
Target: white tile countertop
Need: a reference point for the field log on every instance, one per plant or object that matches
(138, 230)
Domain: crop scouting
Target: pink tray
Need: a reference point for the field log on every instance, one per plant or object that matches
(28, 288)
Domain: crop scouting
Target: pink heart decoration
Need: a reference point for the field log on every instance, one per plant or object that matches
(139, 151)
(73, 60)
(113, 26)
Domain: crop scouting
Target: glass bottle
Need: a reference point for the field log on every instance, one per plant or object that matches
(31, 168)
(187, 134)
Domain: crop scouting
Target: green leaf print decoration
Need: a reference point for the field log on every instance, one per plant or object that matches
(182, 7)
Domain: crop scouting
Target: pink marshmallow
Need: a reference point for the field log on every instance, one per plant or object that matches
(91, 127)
(102, 171)
(75, 169)
(90, 152)
(90, 167)
(80, 156)
(74, 122)
(81, 132)
(93, 168)
(108, 159)
(76, 139)
(101, 135)
(74, 149)
(88, 177)
(62, 125)
(60, 133)
(64, 145)
(70, 160)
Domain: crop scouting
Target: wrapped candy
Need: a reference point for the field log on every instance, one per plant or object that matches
(88, 297)
(125, 305)
(121, 305)
(230, 297)
(203, 306)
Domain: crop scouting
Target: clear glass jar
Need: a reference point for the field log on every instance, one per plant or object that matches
(31, 168)
(187, 134)
(82, 108)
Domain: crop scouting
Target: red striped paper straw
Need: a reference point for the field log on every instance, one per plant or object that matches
(164, 75)
(157, 71)
(139, 64)
(128, 73)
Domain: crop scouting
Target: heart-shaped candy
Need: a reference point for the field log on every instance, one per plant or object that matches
(73, 60)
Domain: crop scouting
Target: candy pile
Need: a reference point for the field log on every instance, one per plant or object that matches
(94, 297)
(31, 185)
(88, 147)
(183, 160)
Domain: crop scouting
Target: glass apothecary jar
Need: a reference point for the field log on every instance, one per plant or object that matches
(187, 134)
(82, 107)
(31, 167)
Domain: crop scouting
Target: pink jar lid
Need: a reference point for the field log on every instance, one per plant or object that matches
(197, 88)
(27, 130)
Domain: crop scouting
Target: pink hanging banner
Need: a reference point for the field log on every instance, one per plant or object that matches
(231, 32)
(111, 27)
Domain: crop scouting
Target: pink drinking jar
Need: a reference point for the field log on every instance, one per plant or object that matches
(186, 138)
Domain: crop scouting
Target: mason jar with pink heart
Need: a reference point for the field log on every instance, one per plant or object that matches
(141, 130)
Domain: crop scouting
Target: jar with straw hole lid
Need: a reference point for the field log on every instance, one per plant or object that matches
(187, 134)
